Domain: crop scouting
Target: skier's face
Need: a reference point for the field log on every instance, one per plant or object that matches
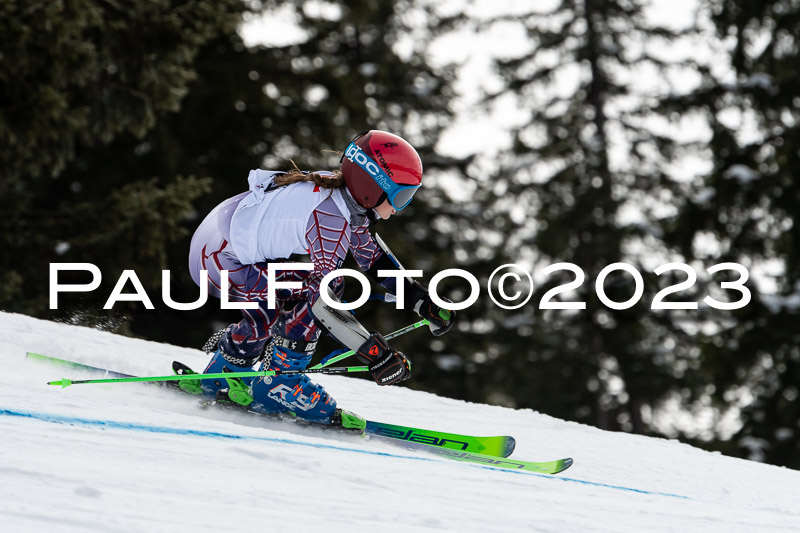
(385, 210)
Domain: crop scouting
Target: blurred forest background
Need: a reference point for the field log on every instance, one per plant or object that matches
(631, 139)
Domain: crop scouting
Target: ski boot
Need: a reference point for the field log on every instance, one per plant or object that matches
(291, 392)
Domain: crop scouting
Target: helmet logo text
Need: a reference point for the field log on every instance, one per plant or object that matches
(357, 156)
(383, 162)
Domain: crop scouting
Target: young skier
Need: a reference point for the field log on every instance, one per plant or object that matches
(325, 214)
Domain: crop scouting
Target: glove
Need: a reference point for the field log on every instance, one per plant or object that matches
(441, 320)
(387, 366)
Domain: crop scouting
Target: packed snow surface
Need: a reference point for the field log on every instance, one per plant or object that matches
(132, 457)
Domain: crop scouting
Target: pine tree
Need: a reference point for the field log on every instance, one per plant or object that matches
(78, 76)
(581, 185)
(745, 205)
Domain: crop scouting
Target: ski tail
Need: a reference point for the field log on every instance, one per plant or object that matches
(73, 365)
(498, 446)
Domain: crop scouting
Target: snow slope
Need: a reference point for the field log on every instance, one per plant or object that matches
(130, 457)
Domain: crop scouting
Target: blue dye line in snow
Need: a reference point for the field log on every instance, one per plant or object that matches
(113, 424)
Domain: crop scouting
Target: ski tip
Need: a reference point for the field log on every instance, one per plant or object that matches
(64, 382)
(509, 445)
(565, 463)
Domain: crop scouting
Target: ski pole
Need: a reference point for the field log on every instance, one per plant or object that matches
(222, 375)
(388, 336)
(318, 369)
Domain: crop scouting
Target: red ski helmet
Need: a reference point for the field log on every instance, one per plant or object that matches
(378, 165)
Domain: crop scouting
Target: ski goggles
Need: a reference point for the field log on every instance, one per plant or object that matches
(399, 196)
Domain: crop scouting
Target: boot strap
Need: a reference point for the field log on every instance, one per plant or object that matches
(294, 345)
(240, 361)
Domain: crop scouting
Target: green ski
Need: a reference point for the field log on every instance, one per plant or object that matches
(500, 446)
(491, 451)
(545, 467)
